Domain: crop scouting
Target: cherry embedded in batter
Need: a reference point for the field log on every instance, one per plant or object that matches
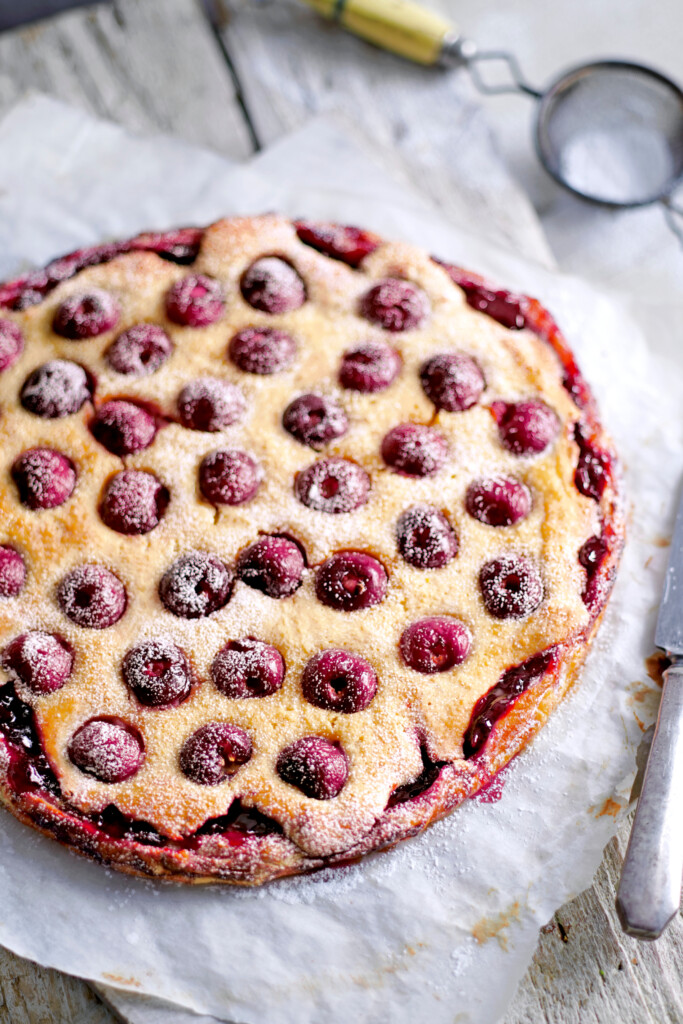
(340, 241)
(214, 753)
(12, 572)
(592, 556)
(452, 381)
(42, 661)
(262, 350)
(44, 478)
(525, 428)
(339, 681)
(92, 596)
(56, 389)
(134, 502)
(511, 586)
(426, 539)
(195, 585)
(11, 344)
(158, 673)
(107, 749)
(139, 351)
(593, 467)
(395, 305)
(229, 477)
(333, 485)
(315, 420)
(351, 580)
(272, 285)
(211, 404)
(123, 427)
(315, 766)
(86, 315)
(195, 301)
(411, 449)
(248, 668)
(273, 565)
(369, 367)
(498, 501)
(435, 644)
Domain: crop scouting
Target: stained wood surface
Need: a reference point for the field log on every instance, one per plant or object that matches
(159, 65)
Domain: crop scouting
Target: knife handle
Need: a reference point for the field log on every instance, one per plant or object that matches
(650, 888)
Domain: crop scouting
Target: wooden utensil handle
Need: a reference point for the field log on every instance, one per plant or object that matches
(650, 887)
(401, 26)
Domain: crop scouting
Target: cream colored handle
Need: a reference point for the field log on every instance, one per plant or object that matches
(402, 26)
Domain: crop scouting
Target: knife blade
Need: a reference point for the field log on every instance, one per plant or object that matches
(650, 887)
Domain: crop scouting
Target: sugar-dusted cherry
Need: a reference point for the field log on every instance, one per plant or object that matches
(229, 477)
(351, 580)
(526, 428)
(134, 502)
(86, 315)
(248, 668)
(214, 753)
(158, 673)
(337, 680)
(44, 478)
(195, 301)
(315, 420)
(272, 285)
(435, 644)
(92, 596)
(340, 241)
(123, 428)
(139, 351)
(452, 381)
(369, 367)
(412, 449)
(55, 389)
(273, 565)
(315, 766)
(498, 500)
(42, 661)
(333, 485)
(395, 305)
(211, 404)
(262, 350)
(195, 585)
(107, 749)
(11, 343)
(12, 572)
(425, 537)
(511, 586)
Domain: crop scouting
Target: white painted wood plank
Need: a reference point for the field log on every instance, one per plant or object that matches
(30, 994)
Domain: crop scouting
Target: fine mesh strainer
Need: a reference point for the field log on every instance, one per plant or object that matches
(609, 131)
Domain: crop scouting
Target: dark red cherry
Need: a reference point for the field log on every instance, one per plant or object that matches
(412, 449)
(436, 644)
(158, 673)
(214, 753)
(248, 668)
(452, 381)
(229, 477)
(340, 241)
(140, 350)
(262, 350)
(11, 344)
(370, 367)
(339, 681)
(123, 428)
(195, 585)
(12, 572)
(92, 596)
(315, 420)
(86, 315)
(42, 661)
(55, 389)
(333, 485)
(592, 469)
(272, 285)
(498, 501)
(315, 766)
(273, 565)
(44, 478)
(211, 404)
(511, 586)
(426, 539)
(526, 428)
(395, 305)
(107, 749)
(351, 580)
(195, 301)
(134, 502)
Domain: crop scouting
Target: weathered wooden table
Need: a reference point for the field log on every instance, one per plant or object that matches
(263, 68)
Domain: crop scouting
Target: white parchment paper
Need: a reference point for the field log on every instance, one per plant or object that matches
(441, 928)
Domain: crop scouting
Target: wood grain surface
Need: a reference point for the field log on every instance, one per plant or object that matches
(263, 68)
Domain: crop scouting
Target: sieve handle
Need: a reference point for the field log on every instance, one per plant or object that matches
(402, 26)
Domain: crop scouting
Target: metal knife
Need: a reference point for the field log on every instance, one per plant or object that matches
(650, 888)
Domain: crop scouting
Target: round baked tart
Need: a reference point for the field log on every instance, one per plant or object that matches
(303, 535)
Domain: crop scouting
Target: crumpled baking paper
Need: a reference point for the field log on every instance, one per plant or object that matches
(442, 927)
